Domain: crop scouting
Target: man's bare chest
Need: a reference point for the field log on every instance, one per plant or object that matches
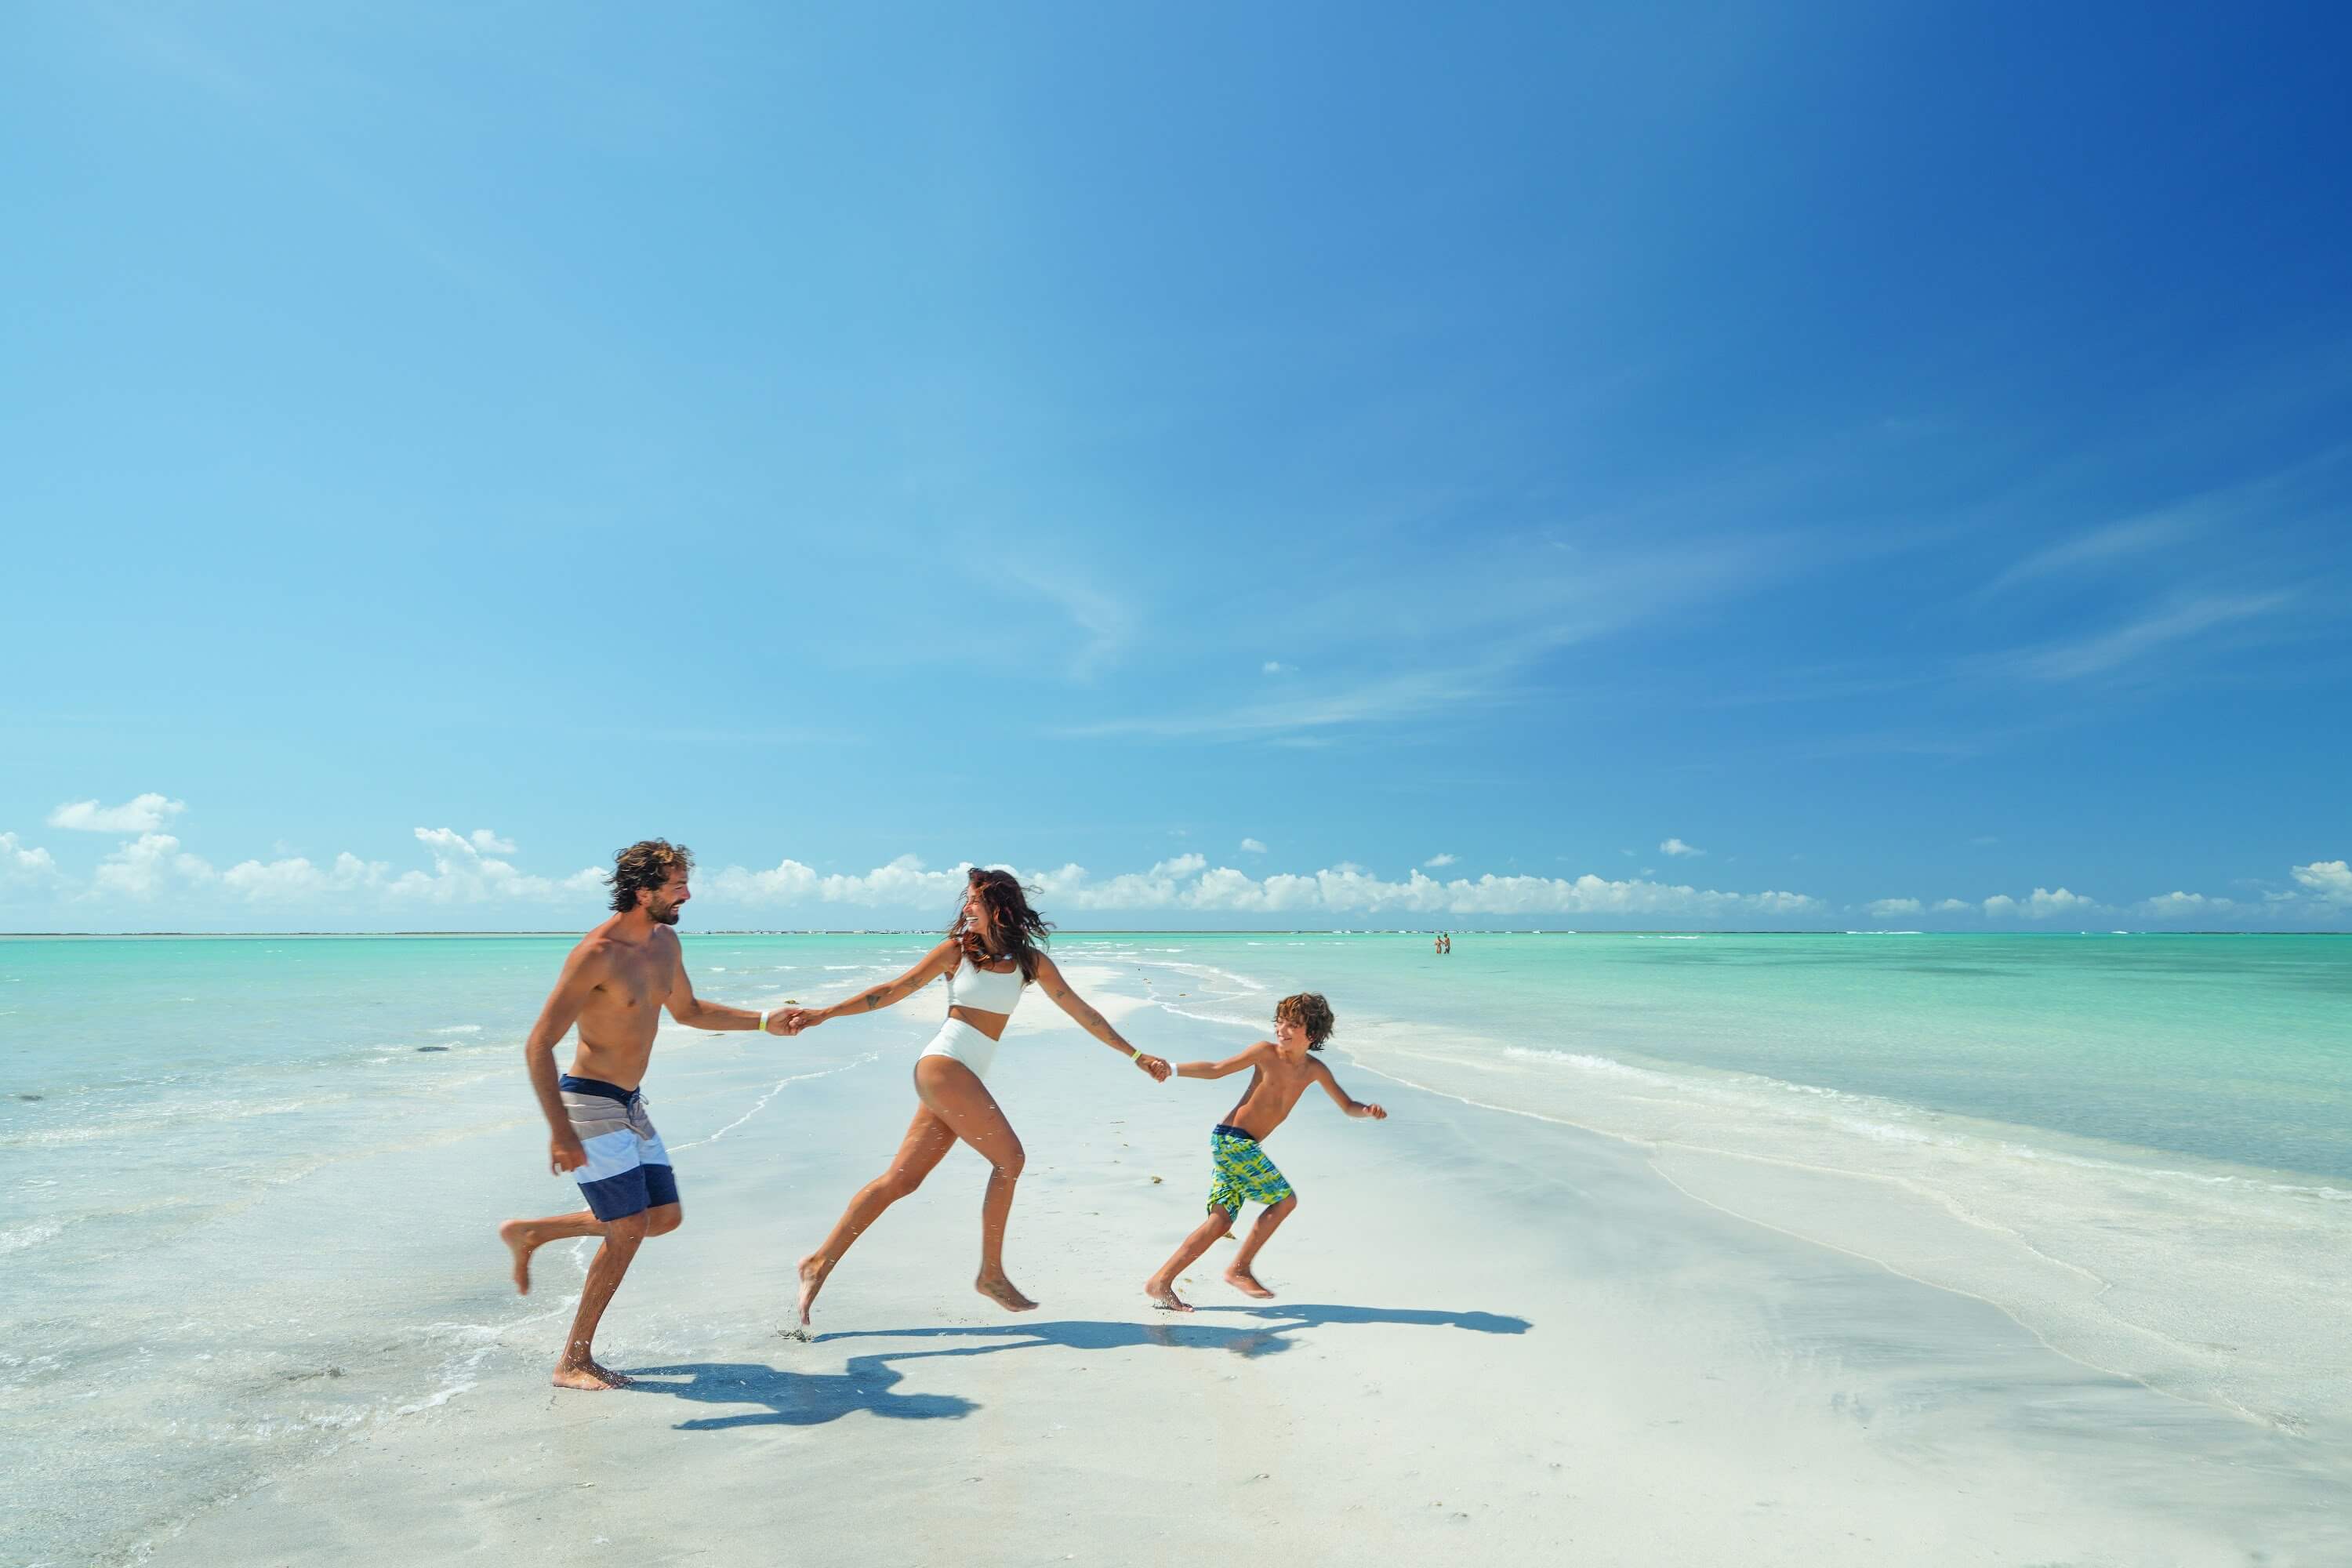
(634, 986)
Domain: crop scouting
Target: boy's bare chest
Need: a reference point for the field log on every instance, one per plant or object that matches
(1281, 1087)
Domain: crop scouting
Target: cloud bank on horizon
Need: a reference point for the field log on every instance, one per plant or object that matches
(154, 873)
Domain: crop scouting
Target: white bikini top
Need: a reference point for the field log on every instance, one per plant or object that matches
(972, 986)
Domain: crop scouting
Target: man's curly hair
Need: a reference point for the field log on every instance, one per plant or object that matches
(642, 865)
(1310, 1013)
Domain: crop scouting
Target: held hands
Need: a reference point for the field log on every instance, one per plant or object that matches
(789, 1021)
(1157, 1069)
(564, 1153)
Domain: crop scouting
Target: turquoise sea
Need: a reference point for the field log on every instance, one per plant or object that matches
(228, 1240)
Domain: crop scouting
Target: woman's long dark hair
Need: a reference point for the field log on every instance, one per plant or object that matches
(1014, 930)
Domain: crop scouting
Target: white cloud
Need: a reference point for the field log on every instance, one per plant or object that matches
(464, 873)
(1885, 907)
(141, 814)
(2042, 904)
(2177, 905)
(1252, 847)
(19, 863)
(1954, 906)
(1437, 861)
(489, 843)
(904, 882)
(2327, 880)
(1677, 847)
(146, 866)
(1189, 883)
(1276, 667)
(295, 878)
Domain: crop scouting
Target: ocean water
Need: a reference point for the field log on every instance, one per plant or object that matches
(231, 1166)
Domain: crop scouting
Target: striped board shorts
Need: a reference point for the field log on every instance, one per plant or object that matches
(628, 1169)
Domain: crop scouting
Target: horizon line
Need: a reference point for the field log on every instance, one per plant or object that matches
(1201, 930)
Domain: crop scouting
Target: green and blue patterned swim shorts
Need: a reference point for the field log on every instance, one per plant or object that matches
(1244, 1172)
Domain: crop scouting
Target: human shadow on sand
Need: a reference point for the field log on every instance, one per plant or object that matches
(1181, 1331)
(793, 1398)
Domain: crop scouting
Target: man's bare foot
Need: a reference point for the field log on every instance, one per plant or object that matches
(1243, 1280)
(1163, 1296)
(588, 1377)
(814, 1269)
(515, 1234)
(999, 1289)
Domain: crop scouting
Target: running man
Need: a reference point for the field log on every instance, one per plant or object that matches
(614, 986)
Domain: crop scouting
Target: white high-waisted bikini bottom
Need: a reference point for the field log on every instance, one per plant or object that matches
(959, 1041)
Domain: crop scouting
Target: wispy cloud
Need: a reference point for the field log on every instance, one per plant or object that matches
(1106, 621)
(1434, 861)
(2105, 652)
(1414, 695)
(1883, 908)
(1511, 602)
(1677, 847)
(2101, 546)
(1253, 847)
(2171, 530)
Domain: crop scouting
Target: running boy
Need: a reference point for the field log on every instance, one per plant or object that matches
(1280, 1071)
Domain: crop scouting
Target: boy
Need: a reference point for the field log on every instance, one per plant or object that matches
(1280, 1071)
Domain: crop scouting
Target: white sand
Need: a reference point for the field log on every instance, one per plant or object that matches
(1496, 1339)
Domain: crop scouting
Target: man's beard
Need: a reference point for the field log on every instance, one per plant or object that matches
(663, 914)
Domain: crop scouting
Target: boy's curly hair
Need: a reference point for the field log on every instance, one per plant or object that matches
(646, 864)
(1310, 1013)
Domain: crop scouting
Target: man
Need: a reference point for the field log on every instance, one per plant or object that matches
(614, 985)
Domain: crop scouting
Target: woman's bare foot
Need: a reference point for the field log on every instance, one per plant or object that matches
(1243, 1280)
(588, 1377)
(515, 1234)
(999, 1289)
(813, 1269)
(1163, 1295)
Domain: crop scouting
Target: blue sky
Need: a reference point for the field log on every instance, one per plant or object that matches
(1559, 465)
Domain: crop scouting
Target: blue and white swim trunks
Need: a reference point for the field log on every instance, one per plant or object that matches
(628, 1169)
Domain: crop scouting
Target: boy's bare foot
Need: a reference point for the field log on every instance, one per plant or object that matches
(1163, 1296)
(515, 1234)
(588, 1377)
(814, 1269)
(999, 1289)
(1243, 1280)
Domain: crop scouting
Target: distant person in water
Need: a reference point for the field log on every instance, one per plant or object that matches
(991, 953)
(1281, 1069)
(614, 986)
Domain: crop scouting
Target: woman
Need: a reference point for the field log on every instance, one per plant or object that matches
(989, 954)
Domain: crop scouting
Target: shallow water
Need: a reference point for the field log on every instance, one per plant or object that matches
(233, 1165)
